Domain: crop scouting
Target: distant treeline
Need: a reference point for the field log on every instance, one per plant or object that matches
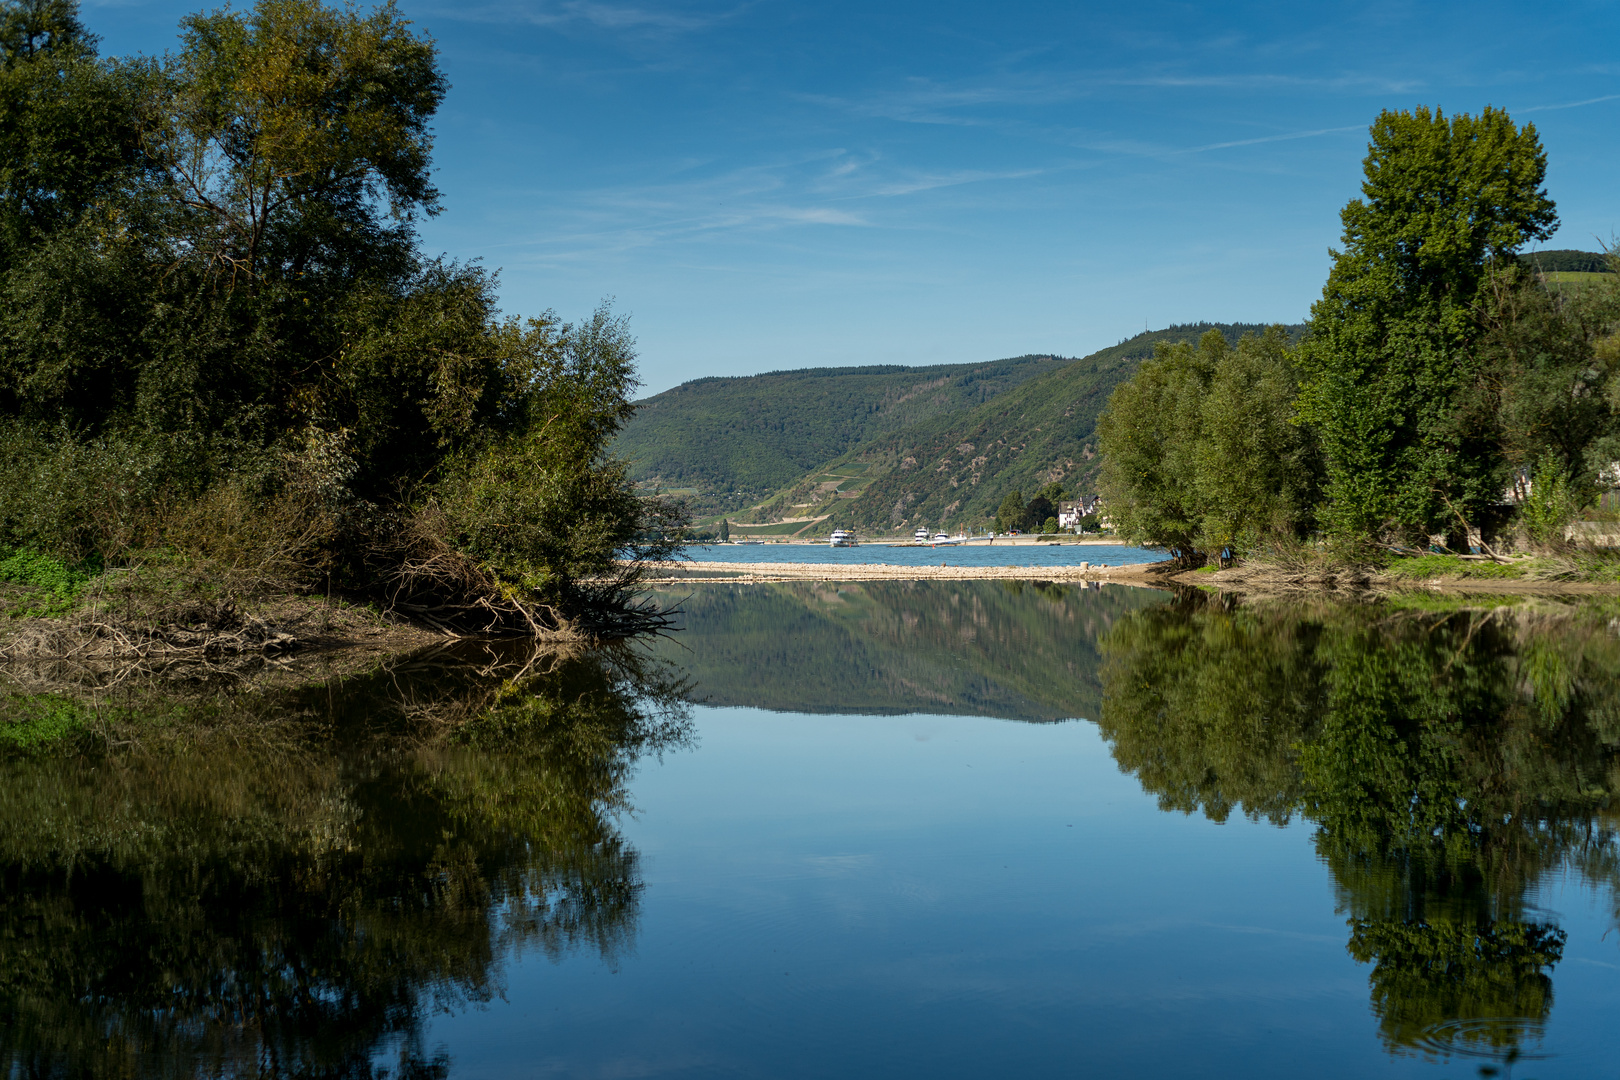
(1567, 261)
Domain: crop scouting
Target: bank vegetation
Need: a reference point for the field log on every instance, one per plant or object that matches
(1449, 397)
(228, 371)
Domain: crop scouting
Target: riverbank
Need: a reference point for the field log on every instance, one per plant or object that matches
(111, 625)
(1431, 573)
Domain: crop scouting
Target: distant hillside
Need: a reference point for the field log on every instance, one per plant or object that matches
(955, 469)
(736, 440)
(1566, 261)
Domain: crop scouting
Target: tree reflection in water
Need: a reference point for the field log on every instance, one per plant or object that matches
(288, 883)
(1450, 761)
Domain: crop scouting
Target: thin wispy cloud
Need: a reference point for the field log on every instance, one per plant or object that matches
(926, 102)
(1569, 104)
(592, 13)
(1286, 137)
(953, 179)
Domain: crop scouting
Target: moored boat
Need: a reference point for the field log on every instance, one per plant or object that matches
(842, 538)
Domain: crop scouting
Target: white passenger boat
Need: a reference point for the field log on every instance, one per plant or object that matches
(842, 538)
(921, 536)
(748, 541)
(944, 538)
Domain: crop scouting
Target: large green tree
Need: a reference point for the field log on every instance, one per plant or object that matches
(1390, 360)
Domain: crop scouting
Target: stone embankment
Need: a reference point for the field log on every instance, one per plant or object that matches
(1134, 574)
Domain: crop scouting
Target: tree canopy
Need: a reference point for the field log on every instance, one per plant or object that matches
(1389, 362)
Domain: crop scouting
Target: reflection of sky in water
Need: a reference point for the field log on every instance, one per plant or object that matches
(951, 896)
(917, 555)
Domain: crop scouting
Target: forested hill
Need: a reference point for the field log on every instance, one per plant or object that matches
(1566, 261)
(736, 440)
(954, 469)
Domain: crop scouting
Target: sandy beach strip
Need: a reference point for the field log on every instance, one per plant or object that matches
(687, 573)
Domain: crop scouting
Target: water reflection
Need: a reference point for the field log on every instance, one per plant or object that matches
(289, 879)
(288, 882)
(1022, 650)
(1452, 762)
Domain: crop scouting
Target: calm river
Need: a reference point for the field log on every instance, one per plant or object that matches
(933, 829)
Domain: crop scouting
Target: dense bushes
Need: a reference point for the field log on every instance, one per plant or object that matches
(218, 335)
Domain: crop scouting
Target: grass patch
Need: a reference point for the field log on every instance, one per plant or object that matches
(1425, 567)
(1575, 278)
(43, 585)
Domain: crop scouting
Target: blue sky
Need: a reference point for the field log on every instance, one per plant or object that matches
(765, 185)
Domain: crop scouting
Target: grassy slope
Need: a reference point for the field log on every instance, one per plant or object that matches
(756, 433)
(955, 469)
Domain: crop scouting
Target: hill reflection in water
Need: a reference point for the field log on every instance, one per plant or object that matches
(1019, 650)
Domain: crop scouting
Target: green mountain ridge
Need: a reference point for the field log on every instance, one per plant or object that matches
(954, 469)
(726, 443)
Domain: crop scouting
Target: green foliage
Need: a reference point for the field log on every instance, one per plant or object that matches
(958, 466)
(211, 294)
(1010, 515)
(48, 586)
(1549, 506)
(1389, 366)
(1553, 364)
(1200, 449)
(42, 572)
